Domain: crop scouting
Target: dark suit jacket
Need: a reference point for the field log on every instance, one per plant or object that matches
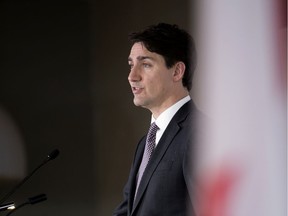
(165, 188)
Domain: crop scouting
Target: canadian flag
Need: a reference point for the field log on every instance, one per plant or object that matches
(242, 77)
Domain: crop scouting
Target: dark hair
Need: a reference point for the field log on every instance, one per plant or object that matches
(173, 43)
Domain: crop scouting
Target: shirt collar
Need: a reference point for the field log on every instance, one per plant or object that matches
(165, 117)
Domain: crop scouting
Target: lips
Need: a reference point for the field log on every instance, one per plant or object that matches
(136, 90)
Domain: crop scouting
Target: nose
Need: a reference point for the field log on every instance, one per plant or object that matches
(134, 75)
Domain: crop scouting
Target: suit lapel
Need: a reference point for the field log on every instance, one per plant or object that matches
(165, 141)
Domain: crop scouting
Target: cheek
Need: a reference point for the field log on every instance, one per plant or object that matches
(152, 86)
(163, 82)
(159, 83)
(157, 87)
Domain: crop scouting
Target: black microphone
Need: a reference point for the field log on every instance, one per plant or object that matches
(50, 157)
(31, 200)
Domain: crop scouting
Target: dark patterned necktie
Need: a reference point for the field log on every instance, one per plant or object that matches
(149, 148)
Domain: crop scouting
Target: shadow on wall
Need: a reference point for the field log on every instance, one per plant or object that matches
(11, 147)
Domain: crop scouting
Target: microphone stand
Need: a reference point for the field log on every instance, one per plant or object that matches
(51, 156)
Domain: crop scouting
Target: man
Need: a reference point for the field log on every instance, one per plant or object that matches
(162, 61)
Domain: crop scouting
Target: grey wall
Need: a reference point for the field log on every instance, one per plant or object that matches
(63, 79)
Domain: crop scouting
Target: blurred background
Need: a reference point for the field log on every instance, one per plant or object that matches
(63, 84)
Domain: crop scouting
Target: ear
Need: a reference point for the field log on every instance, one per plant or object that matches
(179, 70)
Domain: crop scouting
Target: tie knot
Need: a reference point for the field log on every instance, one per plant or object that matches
(153, 128)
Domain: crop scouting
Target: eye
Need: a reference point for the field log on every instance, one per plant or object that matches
(146, 65)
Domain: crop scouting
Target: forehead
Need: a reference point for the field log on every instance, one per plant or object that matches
(138, 49)
(139, 52)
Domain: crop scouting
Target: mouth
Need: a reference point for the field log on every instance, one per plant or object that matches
(136, 90)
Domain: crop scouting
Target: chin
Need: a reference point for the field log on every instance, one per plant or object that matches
(138, 102)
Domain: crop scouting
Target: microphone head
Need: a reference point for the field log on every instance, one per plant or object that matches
(53, 154)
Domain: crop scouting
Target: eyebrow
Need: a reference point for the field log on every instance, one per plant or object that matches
(141, 58)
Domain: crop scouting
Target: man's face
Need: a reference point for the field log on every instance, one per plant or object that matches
(151, 81)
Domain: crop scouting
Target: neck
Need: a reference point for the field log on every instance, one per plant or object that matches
(168, 103)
